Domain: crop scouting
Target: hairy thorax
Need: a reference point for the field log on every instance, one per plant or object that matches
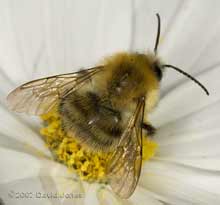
(98, 113)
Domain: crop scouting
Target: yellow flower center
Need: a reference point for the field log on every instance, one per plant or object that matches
(90, 166)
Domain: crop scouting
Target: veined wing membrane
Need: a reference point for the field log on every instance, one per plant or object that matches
(125, 163)
(39, 96)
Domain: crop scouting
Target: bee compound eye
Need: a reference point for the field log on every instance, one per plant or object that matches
(158, 71)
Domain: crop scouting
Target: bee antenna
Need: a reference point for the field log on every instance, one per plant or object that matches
(189, 76)
(158, 34)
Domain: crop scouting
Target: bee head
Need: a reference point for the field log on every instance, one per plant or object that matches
(158, 70)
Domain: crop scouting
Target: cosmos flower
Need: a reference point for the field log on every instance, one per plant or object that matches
(41, 38)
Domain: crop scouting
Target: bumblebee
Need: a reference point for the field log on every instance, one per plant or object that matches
(104, 107)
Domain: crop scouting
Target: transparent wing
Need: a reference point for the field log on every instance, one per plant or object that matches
(125, 163)
(39, 96)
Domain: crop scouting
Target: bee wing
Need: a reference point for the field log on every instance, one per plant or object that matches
(125, 163)
(39, 96)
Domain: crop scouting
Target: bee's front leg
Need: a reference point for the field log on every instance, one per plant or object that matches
(149, 128)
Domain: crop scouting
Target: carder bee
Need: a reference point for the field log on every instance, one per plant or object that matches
(104, 107)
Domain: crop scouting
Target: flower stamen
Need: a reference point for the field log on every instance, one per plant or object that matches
(90, 166)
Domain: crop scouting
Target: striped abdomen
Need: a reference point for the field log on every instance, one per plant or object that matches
(91, 119)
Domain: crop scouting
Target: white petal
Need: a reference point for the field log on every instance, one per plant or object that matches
(14, 131)
(29, 121)
(211, 163)
(187, 38)
(17, 165)
(41, 190)
(6, 85)
(10, 56)
(209, 58)
(180, 184)
(143, 196)
(20, 127)
(187, 98)
(47, 37)
(200, 145)
(203, 121)
(193, 137)
(113, 28)
(145, 22)
(26, 191)
(70, 188)
(91, 190)
(107, 197)
(24, 173)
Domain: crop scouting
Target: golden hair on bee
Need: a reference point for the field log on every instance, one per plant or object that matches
(127, 77)
(104, 107)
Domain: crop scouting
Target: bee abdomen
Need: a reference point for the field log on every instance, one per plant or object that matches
(91, 120)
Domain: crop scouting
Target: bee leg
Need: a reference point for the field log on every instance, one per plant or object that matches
(149, 128)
